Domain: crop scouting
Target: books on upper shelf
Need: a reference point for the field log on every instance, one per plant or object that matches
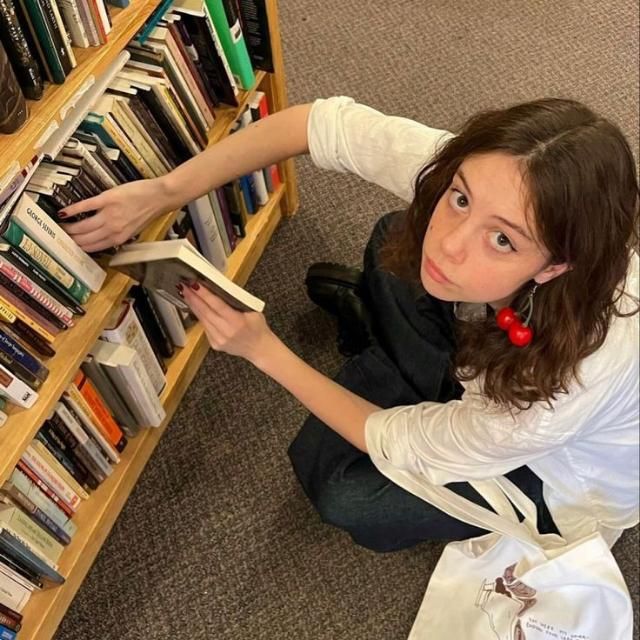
(164, 265)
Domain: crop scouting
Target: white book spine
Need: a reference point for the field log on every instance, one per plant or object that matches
(76, 148)
(130, 333)
(15, 390)
(137, 380)
(42, 469)
(87, 423)
(207, 232)
(58, 469)
(102, 11)
(12, 594)
(74, 21)
(217, 212)
(48, 234)
(83, 439)
(171, 319)
(64, 34)
(16, 577)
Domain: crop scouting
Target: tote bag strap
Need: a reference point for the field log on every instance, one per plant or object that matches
(465, 510)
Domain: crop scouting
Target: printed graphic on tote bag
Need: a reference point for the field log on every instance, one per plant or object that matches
(504, 600)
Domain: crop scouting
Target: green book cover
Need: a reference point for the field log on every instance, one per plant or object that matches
(227, 23)
(15, 236)
(44, 39)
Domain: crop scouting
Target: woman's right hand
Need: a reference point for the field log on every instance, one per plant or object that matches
(121, 212)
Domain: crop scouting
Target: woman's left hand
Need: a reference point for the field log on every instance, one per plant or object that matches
(238, 333)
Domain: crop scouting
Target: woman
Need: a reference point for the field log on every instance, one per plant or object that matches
(528, 216)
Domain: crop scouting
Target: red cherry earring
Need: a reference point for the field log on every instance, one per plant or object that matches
(520, 333)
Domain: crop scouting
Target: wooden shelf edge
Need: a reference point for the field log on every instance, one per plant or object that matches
(95, 519)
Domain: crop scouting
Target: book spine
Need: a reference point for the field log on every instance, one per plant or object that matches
(109, 427)
(151, 322)
(56, 36)
(87, 450)
(44, 40)
(131, 334)
(121, 412)
(171, 318)
(207, 232)
(73, 19)
(22, 373)
(20, 330)
(7, 633)
(35, 222)
(36, 513)
(41, 467)
(18, 238)
(22, 311)
(80, 408)
(45, 281)
(12, 594)
(9, 623)
(217, 41)
(19, 52)
(64, 34)
(228, 225)
(40, 296)
(14, 615)
(37, 537)
(255, 26)
(16, 390)
(45, 488)
(29, 546)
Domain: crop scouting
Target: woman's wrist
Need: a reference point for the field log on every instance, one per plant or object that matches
(169, 194)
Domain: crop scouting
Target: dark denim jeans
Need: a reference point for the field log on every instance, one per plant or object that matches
(410, 364)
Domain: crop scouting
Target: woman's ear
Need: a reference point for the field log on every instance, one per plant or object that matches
(551, 272)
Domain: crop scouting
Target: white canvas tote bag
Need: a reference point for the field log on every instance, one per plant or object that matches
(514, 583)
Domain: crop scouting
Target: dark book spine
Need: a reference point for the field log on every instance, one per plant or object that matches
(255, 28)
(18, 370)
(20, 260)
(33, 304)
(14, 615)
(151, 322)
(26, 333)
(10, 346)
(224, 207)
(57, 424)
(177, 144)
(235, 212)
(56, 35)
(212, 64)
(9, 623)
(13, 106)
(20, 55)
(58, 449)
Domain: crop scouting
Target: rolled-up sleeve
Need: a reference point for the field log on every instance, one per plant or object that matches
(386, 150)
(460, 440)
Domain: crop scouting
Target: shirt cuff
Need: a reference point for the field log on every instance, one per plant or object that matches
(322, 132)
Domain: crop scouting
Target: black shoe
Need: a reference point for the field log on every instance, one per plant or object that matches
(326, 281)
(336, 288)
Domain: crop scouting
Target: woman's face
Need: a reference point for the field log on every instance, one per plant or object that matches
(479, 246)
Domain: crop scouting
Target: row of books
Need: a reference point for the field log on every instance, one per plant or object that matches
(111, 398)
(202, 41)
(45, 279)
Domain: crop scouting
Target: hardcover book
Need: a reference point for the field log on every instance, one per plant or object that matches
(164, 265)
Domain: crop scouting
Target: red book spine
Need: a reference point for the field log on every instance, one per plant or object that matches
(44, 487)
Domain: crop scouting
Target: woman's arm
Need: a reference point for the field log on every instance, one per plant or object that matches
(123, 211)
(247, 335)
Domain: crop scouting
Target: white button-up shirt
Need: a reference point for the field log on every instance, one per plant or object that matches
(585, 447)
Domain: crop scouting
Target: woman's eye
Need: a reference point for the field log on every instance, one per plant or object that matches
(458, 199)
(500, 242)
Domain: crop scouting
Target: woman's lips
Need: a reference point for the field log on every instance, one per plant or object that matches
(434, 273)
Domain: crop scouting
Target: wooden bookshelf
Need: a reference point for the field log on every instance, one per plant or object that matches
(97, 515)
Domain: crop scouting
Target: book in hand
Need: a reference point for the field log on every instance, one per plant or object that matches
(163, 265)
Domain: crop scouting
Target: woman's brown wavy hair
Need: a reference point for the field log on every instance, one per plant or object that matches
(583, 190)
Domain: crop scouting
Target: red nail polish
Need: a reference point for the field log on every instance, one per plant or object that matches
(61, 214)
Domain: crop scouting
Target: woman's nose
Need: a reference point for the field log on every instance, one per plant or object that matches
(454, 244)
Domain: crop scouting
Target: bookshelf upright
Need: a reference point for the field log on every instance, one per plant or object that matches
(96, 516)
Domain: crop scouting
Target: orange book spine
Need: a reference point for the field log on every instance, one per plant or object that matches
(104, 419)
